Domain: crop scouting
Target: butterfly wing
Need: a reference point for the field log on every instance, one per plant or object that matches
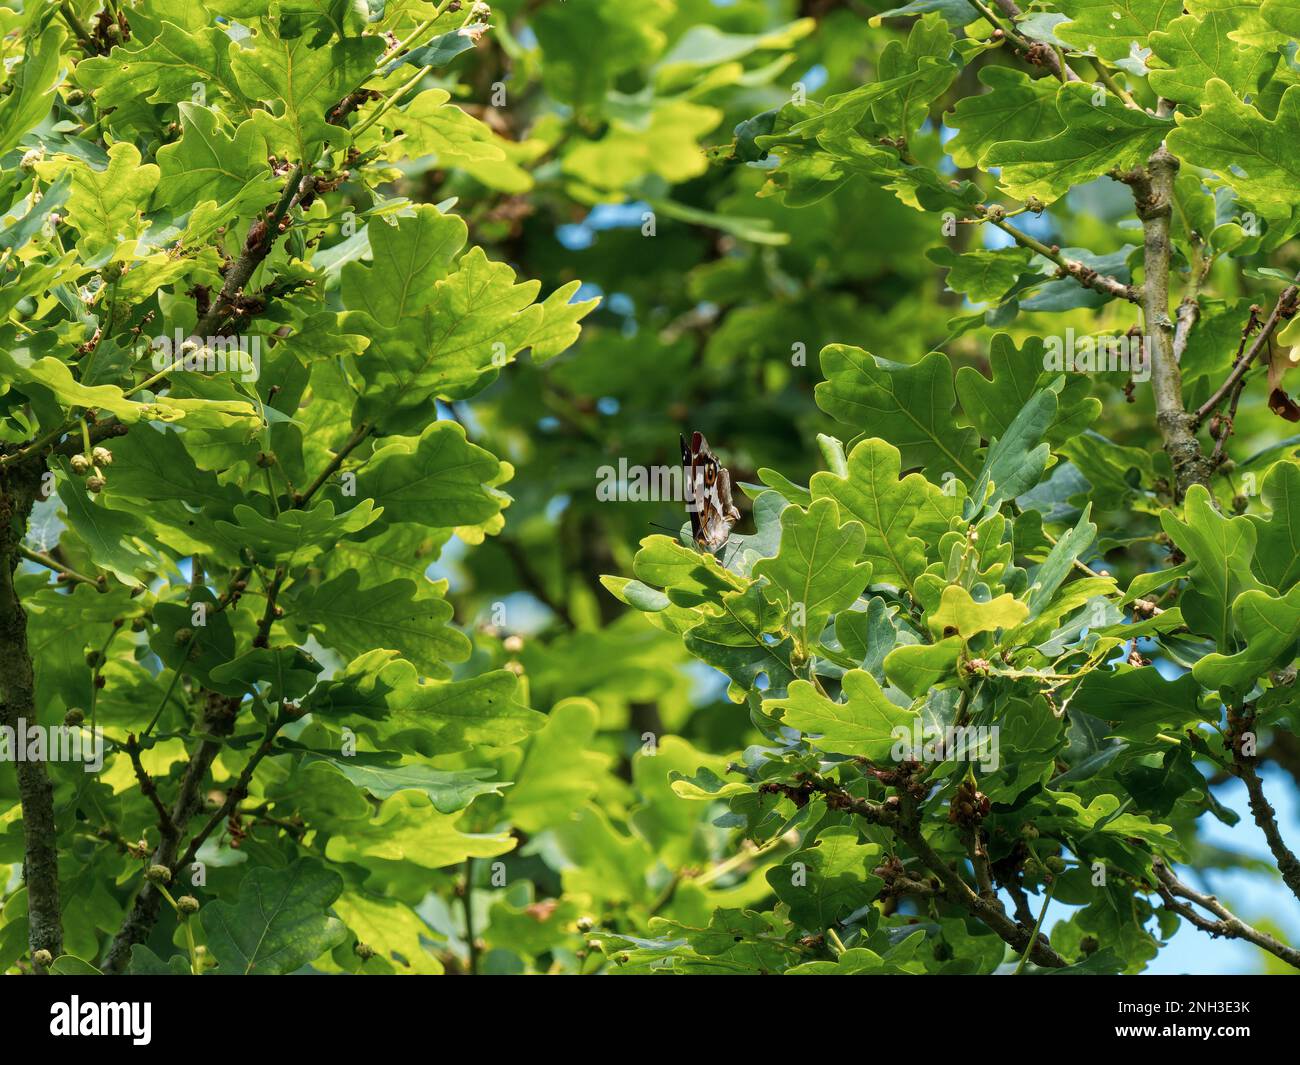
(708, 495)
(688, 467)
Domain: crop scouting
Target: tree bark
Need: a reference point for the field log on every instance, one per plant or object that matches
(18, 489)
(1153, 194)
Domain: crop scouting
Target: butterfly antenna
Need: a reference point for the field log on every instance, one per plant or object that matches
(675, 532)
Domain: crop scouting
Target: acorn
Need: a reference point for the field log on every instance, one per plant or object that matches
(159, 874)
(96, 484)
(187, 904)
(183, 636)
(75, 716)
(1089, 945)
(364, 951)
(80, 465)
(513, 644)
(102, 456)
(94, 658)
(43, 959)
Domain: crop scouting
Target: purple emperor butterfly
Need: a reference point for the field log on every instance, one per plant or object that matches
(708, 495)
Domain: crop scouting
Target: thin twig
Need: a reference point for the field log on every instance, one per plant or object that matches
(1266, 818)
(1036, 52)
(147, 785)
(78, 28)
(1284, 308)
(1082, 273)
(99, 583)
(1228, 924)
(234, 794)
(1227, 420)
(301, 499)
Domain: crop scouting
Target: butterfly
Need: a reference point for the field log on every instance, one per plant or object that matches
(708, 495)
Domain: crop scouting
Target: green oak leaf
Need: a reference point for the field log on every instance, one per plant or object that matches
(290, 671)
(1222, 549)
(394, 615)
(432, 126)
(689, 577)
(295, 537)
(381, 695)
(440, 480)
(911, 406)
(1112, 27)
(982, 275)
(111, 537)
(1016, 108)
(818, 571)
(106, 207)
(455, 341)
(1140, 702)
(561, 314)
(1250, 152)
(737, 642)
(384, 774)
(961, 615)
(916, 668)
(407, 259)
(862, 726)
(407, 828)
(1015, 461)
(392, 929)
(165, 69)
(144, 962)
(826, 881)
(279, 923)
(871, 493)
(1017, 373)
(1094, 141)
(926, 53)
(560, 771)
(303, 81)
(31, 85)
(209, 164)
(1048, 577)
(1277, 547)
(1269, 625)
(1196, 51)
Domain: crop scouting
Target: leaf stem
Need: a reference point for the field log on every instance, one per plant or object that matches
(99, 583)
(1033, 936)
